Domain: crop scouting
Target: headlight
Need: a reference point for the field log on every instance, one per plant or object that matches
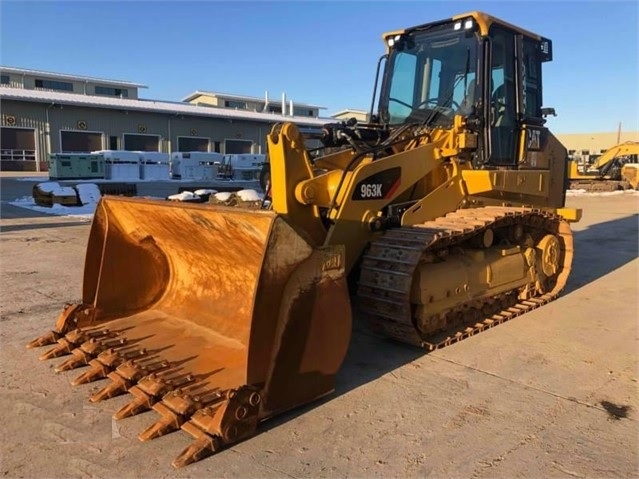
(393, 40)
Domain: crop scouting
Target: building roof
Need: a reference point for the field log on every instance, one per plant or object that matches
(350, 111)
(65, 76)
(39, 96)
(273, 100)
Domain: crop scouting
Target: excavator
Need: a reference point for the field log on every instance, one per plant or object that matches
(441, 217)
(616, 169)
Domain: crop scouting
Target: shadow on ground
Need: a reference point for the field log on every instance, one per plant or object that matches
(369, 358)
(8, 211)
(603, 248)
(39, 226)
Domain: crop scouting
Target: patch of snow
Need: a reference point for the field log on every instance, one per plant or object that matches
(184, 196)
(223, 196)
(203, 192)
(57, 209)
(29, 178)
(48, 186)
(249, 195)
(89, 193)
(582, 192)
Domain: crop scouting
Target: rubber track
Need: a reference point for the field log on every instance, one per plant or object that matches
(388, 267)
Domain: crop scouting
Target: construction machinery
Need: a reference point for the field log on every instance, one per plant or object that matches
(630, 174)
(615, 169)
(441, 217)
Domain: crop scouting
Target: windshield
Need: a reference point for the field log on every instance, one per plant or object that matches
(430, 77)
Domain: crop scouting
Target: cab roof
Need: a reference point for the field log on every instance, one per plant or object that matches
(483, 20)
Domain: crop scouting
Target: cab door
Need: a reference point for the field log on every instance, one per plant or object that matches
(502, 99)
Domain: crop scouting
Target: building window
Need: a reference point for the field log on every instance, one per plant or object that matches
(235, 104)
(80, 141)
(134, 142)
(275, 109)
(303, 112)
(4, 80)
(54, 85)
(109, 91)
(191, 143)
(237, 147)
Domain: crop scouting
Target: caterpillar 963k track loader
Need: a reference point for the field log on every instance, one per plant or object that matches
(445, 212)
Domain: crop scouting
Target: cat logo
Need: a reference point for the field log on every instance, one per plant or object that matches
(141, 128)
(193, 132)
(534, 140)
(82, 125)
(10, 120)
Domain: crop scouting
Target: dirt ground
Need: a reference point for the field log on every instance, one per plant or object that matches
(550, 394)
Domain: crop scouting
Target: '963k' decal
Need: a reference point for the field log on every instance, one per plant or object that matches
(378, 186)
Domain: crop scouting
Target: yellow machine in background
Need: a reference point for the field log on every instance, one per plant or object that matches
(445, 214)
(615, 169)
(630, 174)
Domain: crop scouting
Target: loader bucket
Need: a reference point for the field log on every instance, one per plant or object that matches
(215, 317)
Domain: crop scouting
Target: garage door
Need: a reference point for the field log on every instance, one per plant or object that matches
(237, 147)
(141, 142)
(190, 143)
(80, 141)
(17, 152)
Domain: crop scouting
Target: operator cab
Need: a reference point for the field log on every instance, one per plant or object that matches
(471, 65)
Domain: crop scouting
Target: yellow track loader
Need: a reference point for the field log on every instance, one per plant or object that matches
(441, 217)
(615, 169)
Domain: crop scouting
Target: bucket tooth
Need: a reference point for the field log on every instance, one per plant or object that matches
(79, 358)
(176, 408)
(65, 322)
(76, 337)
(199, 449)
(95, 346)
(169, 422)
(96, 372)
(150, 390)
(45, 340)
(118, 386)
(143, 402)
(228, 416)
(88, 350)
(134, 370)
(63, 348)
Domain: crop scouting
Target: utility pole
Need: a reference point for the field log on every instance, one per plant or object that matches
(619, 134)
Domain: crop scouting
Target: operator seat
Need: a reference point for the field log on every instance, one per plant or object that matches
(502, 116)
(498, 105)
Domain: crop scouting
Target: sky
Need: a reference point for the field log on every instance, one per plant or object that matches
(319, 52)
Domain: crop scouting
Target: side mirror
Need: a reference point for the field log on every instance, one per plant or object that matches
(548, 111)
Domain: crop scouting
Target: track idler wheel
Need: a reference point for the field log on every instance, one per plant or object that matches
(549, 249)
